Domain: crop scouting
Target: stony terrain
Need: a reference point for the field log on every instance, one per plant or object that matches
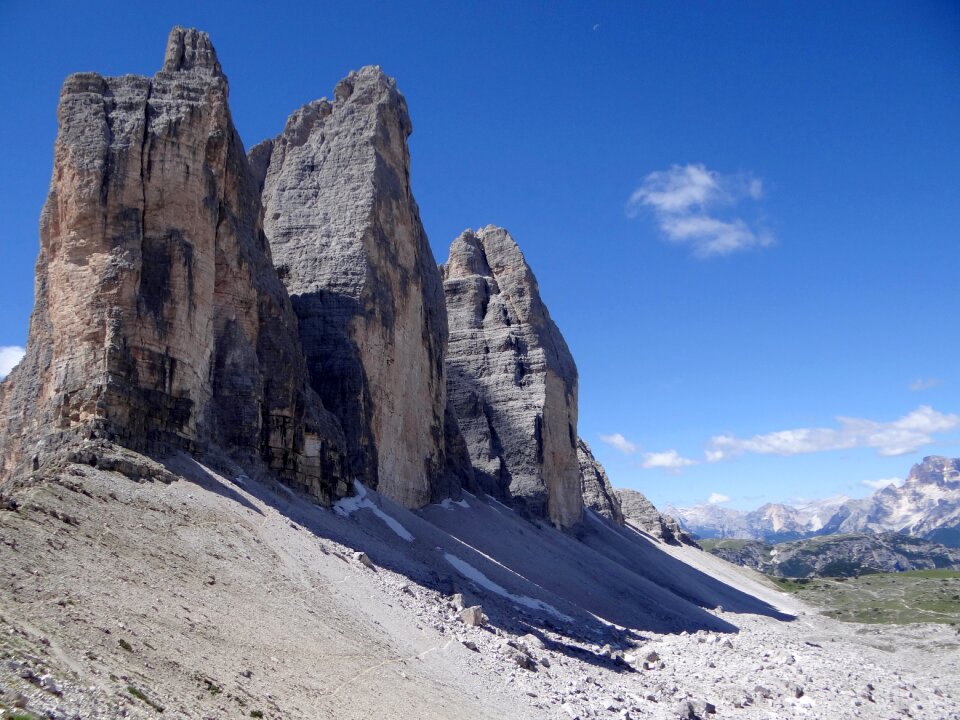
(837, 555)
(118, 598)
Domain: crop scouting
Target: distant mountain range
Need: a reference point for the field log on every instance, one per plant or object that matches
(927, 506)
(838, 555)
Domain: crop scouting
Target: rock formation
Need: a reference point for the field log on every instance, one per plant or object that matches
(926, 505)
(512, 380)
(349, 245)
(598, 493)
(640, 512)
(159, 320)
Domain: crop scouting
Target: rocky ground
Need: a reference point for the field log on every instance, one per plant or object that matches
(215, 598)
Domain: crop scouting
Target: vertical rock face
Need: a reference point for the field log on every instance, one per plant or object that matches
(348, 243)
(512, 379)
(598, 493)
(159, 319)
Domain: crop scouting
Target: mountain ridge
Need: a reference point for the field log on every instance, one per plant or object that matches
(925, 505)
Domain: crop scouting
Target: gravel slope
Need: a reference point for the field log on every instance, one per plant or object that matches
(214, 598)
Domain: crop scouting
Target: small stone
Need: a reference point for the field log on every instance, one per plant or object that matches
(532, 642)
(473, 616)
(457, 601)
(363, 559)
(48, 683)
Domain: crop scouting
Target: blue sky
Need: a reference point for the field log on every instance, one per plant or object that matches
(743, 216)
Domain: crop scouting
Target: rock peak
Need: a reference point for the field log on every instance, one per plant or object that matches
(370, 85)
(190, 49)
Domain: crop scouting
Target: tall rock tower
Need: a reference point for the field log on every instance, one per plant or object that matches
(347, 240)
(160, 321)
(512, 380)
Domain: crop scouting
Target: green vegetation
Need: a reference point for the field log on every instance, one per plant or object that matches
(140, 695)
(8, 714)
(928, 596)
(256, 713)
(125, 645)
(724, 543)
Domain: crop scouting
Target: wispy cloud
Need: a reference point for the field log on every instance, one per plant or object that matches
(669, 460)
(10, 355)
(717, 498)
(688, 202)
(882, 483)
(897, 437)
(921, 384)
(619, 442)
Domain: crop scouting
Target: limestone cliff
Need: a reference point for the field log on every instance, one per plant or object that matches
(598, 493)
(639, 512)
(512, 379)
(159, 321)
(348, 242)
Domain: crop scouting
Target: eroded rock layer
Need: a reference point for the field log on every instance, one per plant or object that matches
(160, 321)
(348, 242)
(640, 512)
(511, 378)
(598, 493)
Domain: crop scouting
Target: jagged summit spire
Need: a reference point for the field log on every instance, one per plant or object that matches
(190, 49)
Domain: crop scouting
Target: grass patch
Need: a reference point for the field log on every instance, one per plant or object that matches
(724, 543)
(919, 596)
(140, 695)
(791, 585)
(125, 645)
(256, 713)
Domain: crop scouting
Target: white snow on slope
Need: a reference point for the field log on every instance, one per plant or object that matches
(349, 505)
(448, 503)
(471, 573)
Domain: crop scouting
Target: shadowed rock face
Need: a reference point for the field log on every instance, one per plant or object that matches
(598, 493)
(511, 378)
(348, 242)
(159, 320)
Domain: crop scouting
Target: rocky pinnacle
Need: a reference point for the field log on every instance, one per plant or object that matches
(160, 322)
(598, 493)
(348, 242)
(512, 379)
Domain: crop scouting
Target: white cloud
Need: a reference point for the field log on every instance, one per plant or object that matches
(882, 483)
(10, 355)
(685, 200)
(619, 442)
(596, 27)
(716, 498)
(923, 384)
(898, 437)
(669, 460)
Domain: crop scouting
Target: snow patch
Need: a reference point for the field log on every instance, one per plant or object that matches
(448, 503)
(471, 573)
(349, 505)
